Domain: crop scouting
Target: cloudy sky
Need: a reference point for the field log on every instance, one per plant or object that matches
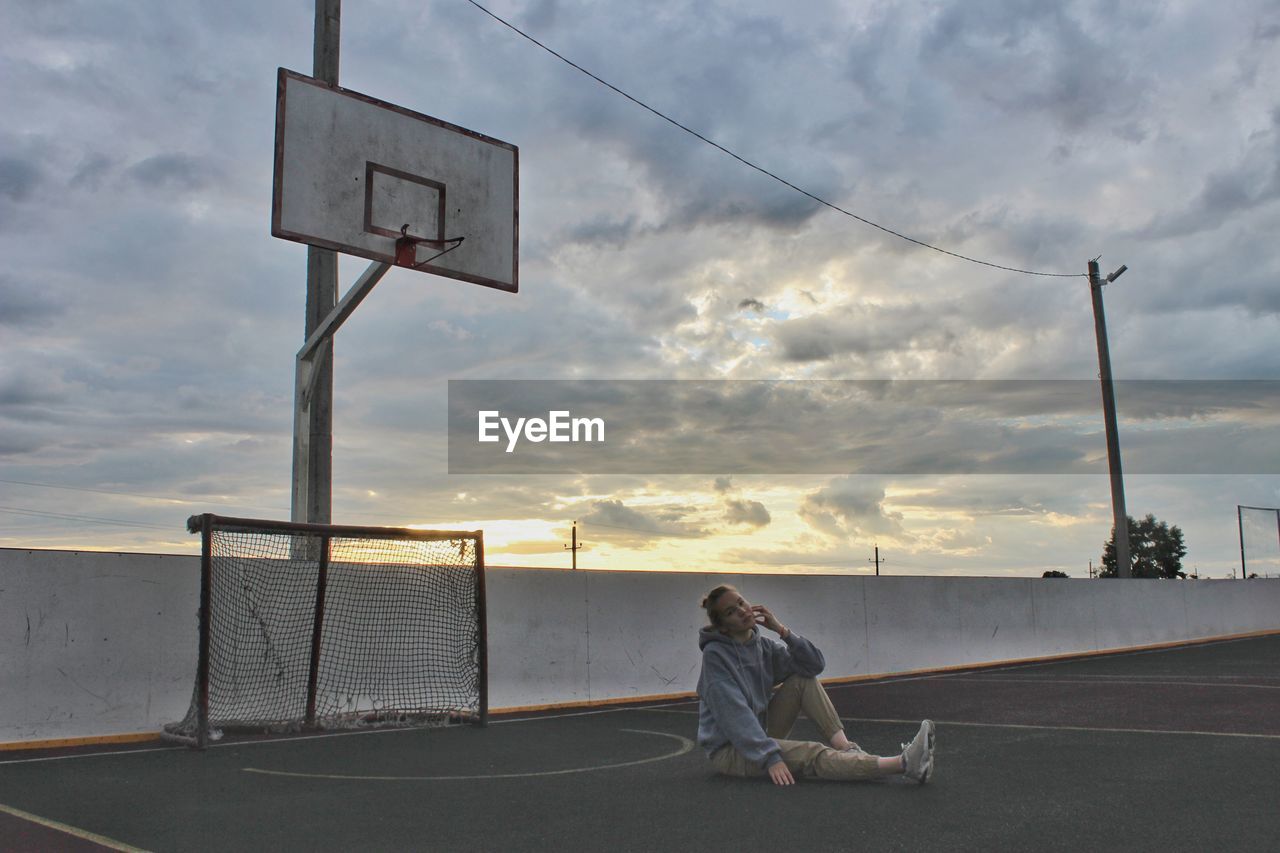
(149, 320)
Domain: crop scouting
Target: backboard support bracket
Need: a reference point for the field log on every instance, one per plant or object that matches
(314, 353)
(318, 345)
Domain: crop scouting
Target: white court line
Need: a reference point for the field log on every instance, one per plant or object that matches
(1143, 683)
(616, 709)
(219, 745)
(995, 676)
(1026, 726)
(994, 671)
(686, 745)
(90, 755)
(1089, 657)
(317, 736)
(1066, 728)
(70, 830)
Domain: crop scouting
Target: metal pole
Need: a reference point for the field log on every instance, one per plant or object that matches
(482, 634)
(317, 629)
(313, 430)
(575, 547)
(1119, 514)
(1240, 527)
(206, 628)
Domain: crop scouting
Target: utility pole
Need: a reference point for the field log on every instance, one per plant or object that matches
(312, 499)
(877, 560)
(1240, 527)
(1118, 511)
(575, 547)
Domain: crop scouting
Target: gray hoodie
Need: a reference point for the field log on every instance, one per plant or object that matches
(736, 684)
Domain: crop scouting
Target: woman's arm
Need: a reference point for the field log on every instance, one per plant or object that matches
(733, 714)
(795, 654)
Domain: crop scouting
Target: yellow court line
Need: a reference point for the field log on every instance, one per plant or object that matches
(71, 830)
(93, 740)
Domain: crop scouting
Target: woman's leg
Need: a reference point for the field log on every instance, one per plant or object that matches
(811, 759)
(808, 758)
(801, 693)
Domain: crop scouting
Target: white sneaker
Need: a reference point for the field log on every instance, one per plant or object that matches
(918, 755)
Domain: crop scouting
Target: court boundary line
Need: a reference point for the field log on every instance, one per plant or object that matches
(1135, 683)
(320, 736)
(1085, 729)
(73, 831)
(686, 746)
(1132, 676)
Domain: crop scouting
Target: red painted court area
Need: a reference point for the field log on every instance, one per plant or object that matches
(1173, 749)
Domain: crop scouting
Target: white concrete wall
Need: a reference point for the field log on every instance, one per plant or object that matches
(95, 644)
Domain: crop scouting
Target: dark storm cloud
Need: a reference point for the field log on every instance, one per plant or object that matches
(19, 178)
(27, 389)
(605, 232)
(748, 512)
(861, 331)
(692, 184)
(614, 521)
(1252, 181)
(172, 171)
(1026, 57)
(850, 507)
(25, 305)
(92, 172)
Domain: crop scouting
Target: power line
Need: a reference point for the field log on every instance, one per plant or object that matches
(168, 498)
(103, 492)
(83, 518)
(758, 168)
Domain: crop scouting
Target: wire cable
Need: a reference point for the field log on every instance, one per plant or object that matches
(62, 516)
(761, 169)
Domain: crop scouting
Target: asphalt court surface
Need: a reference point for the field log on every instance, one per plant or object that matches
(1166, 750)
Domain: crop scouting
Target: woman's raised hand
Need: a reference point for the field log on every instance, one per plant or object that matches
(765, 617)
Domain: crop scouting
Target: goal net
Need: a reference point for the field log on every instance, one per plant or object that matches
(324, 626)
(1259, 541)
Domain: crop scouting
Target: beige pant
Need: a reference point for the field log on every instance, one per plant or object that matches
(803, 758)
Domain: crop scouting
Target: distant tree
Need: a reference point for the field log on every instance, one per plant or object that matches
(1155, 550)
(1054, 574)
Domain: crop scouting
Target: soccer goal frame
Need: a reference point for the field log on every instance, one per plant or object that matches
(316, 626)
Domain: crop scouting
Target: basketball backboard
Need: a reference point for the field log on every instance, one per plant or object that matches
(356, 175)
